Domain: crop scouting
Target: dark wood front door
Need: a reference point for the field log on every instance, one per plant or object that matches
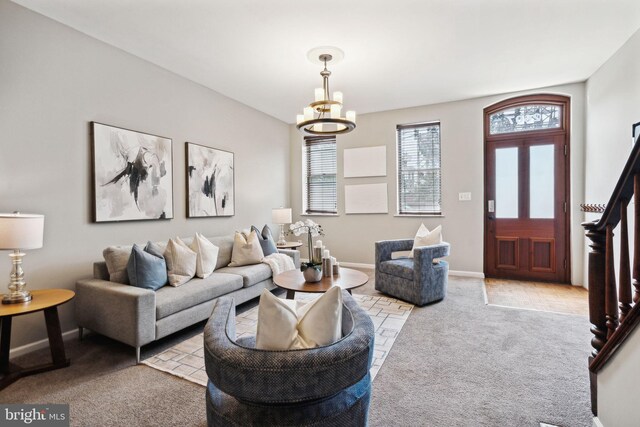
(526, 189)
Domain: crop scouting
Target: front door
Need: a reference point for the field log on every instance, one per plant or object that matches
(526, 189)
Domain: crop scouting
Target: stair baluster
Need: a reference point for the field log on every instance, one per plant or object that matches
(624, 287)
(611, 294)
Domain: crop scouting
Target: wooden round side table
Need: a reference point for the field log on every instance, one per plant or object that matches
(46, 300)
(289, 245)
(293, 281)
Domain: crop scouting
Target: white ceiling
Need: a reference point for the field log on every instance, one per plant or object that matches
(399, 53)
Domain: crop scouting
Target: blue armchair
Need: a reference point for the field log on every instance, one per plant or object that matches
(416, 280)
(328, 386)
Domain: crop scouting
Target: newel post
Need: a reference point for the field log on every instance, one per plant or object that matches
(597, 295)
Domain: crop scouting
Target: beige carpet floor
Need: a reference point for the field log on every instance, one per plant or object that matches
(456, 363)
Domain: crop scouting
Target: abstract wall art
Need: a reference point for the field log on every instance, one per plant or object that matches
(133, 175)
(210, 182)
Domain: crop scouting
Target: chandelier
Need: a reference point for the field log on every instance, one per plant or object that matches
(323, 116)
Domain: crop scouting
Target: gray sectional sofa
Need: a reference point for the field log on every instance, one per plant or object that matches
(137, 316)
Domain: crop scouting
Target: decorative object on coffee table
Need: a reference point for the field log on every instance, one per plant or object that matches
(312, 230)
(132, 175)
(281, 216)
(293, 281)
(210, 182)
(17, 232)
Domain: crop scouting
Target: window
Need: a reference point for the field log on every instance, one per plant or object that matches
(319, 186)
(525, 118)
(419, 175)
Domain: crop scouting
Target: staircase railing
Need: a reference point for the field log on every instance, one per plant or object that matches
(613, 311)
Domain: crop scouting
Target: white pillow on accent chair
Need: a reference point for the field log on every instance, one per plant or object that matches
(288, 325)
(207, 255)
(424, 237)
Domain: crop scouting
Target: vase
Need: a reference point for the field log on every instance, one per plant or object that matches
(312, 274)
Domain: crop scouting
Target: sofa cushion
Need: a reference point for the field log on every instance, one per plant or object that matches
(251, 274)
(265, 237)
(401, 267)
(225, 246)
(117, 258)
(181, 262)
(207, 255)
(246, 249)
(146, 270)
(170, 300)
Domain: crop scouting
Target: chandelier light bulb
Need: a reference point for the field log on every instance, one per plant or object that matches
(351, 116)
(317, 127)
(319, 92)
(335, 111)
(337, 96)
(299, 118)
(308, 113)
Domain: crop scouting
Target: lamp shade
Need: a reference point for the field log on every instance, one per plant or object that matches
(281, 215)
(21, 231)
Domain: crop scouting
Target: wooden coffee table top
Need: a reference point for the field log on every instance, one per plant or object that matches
(293, 280)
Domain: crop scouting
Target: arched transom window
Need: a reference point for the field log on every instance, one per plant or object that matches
(525, 118)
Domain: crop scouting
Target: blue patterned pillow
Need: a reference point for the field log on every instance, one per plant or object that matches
(146, 270)
(267, 243)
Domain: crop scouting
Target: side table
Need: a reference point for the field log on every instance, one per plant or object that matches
(289, 245)
(46, 300)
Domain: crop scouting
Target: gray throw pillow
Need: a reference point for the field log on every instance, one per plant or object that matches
(267, 243)
(146, 270)
(154, 249)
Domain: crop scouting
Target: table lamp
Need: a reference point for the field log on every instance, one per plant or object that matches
(19, 231)
(281, 216)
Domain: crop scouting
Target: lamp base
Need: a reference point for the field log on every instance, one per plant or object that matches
(281, 239)
(16, 297)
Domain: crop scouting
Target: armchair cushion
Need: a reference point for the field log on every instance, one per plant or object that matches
(402, 267)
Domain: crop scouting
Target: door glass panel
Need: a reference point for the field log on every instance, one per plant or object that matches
(541, 181)
(507, 182)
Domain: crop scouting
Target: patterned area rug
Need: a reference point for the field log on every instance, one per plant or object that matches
(186, 359)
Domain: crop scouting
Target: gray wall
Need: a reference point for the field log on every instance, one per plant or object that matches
(53, 82)
(351, 237)
(613, 105)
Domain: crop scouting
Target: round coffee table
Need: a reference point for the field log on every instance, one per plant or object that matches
(293, 281)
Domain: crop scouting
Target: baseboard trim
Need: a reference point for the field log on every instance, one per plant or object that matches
(37, 345)
(461, 273)
(357, 265)
(597, 422)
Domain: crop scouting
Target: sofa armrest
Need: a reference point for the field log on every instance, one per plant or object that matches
(385, 248)
(122, 312)
(294, 254)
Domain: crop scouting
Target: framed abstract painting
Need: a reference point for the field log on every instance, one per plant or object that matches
(210, 182)
(132, 175)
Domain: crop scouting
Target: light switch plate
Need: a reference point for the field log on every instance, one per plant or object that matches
(464, 197)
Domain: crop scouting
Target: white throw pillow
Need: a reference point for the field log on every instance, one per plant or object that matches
(288, 325)
(424, 237)
(207, 255)
(181, 262)
(246, 250)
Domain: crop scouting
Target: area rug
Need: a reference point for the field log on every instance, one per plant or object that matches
(186, 359)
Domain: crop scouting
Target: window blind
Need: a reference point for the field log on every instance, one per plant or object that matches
(320, 186)
(419, 175)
